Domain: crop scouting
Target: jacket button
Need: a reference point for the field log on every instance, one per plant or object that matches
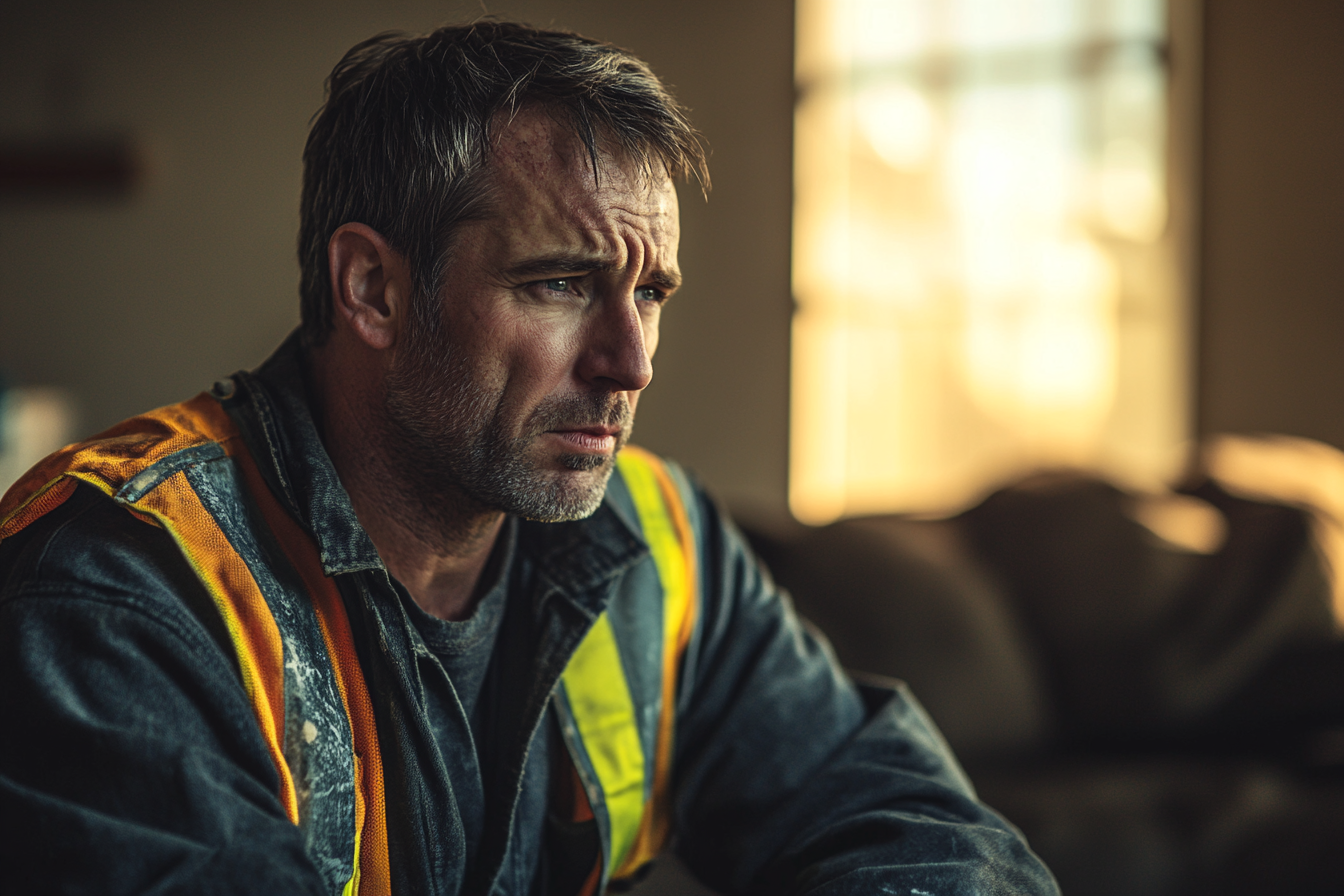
(223, 388)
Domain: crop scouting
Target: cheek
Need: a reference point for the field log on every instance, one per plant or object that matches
(543, 354)
(651, 333)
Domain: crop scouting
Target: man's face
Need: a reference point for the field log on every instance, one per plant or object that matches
(521, 391)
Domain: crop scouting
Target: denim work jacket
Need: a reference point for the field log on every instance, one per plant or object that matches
(131, 761)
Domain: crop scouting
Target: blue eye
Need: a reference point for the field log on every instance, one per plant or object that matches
(648, 294)
(558, 285)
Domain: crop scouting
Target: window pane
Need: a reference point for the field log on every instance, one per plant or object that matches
(981, 269)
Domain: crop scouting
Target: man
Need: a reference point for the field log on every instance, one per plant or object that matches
(395, 612)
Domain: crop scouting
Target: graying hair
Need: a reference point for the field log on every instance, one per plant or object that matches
(403, 140)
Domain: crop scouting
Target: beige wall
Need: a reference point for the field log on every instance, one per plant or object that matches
(1272, 310)
(142, 301)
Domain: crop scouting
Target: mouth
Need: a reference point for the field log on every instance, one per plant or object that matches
(597, 439)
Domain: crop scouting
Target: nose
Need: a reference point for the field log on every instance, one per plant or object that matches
(618, 350)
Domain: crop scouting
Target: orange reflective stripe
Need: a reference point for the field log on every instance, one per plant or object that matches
(589, 887)
(373, 868)
(676, 637)
(243, 607)
(246, 615)
(51, 496)
(113, 458)
(225, 575)
(580, 808)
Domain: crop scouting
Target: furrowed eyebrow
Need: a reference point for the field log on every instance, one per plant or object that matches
(667, 280)
(556, 265)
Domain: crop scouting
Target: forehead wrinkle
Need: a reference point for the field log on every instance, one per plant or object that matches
(549, 206)
(580, 226)
(532, 145)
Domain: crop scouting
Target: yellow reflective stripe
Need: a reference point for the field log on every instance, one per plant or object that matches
(660, 533)
(599, 699)
(658, 506)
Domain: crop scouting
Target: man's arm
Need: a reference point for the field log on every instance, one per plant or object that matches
(130, 761)
(789, 779)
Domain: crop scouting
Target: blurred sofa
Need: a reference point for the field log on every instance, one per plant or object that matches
(1157, 719)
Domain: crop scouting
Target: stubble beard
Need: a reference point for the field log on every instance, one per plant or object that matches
(452, 450)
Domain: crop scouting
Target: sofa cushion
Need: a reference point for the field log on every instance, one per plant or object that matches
(901, 597)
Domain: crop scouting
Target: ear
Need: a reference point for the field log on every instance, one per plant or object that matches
(370, 284)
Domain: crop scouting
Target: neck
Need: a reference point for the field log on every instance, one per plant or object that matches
(436, 545)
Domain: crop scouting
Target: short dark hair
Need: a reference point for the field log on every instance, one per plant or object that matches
(403, 140)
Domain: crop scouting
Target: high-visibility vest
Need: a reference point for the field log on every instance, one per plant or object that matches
(186, 469)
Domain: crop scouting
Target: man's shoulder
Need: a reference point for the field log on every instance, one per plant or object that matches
(90, 550)
(126, 460)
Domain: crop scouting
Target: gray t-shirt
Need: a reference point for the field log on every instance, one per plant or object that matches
(464, 649)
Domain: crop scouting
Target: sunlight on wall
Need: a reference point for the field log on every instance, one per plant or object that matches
(980, 263)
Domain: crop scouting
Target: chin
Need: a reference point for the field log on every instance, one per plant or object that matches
(583, 463)
(563, 496)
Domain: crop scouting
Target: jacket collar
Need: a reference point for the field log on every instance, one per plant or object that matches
(578, 558)
(278, 425)
(274, 412)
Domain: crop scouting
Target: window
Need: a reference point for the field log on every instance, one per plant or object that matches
(983, 265)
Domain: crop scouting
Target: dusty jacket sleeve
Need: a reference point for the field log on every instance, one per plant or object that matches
(129, 759)
(790, 779)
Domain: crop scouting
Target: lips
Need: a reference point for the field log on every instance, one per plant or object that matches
(590, 430)
(593, 424)
(590, 439)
